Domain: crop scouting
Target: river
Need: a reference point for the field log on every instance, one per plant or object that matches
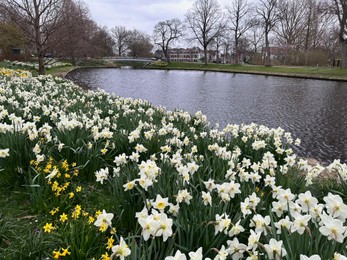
(313, 110)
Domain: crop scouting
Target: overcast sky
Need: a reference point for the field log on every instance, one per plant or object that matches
(138, 14)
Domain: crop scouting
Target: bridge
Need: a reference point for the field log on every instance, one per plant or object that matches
(133, 59)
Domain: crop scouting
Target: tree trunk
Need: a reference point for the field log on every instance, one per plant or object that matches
(343, 54)
(267, 50)
(41, 64)
(237, 54)
(166, 54)
(205, 53)
(166, 51)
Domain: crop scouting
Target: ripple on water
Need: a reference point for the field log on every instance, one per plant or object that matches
(313, 110)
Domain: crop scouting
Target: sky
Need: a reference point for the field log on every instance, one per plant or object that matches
(142, 15)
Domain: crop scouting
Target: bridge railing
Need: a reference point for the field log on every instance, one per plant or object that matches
(128, 58)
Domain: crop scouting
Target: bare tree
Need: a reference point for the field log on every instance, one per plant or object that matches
(256, 35)
(102, 42)
(139, 44)
(217, 43)
(120, 36)
(10, 38)
(339, 7)
(76, 31)
(226, 46)
(311, 21)
(241, 21)
(166, 32)
(38, 20)
(291, 22)
(205, 20)
(320, 29)
(268, 17)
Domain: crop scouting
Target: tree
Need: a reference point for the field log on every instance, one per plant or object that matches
(291, 22)
(139, 44)
(339, 7)
(205, 20)
(102, 42)
(256, 35)
(241, 21)
(268, 17)
(120, 36)
(320, 31)
(217, 43)
(76, 31)
(10, 38)
(38, 20)
(166, 32)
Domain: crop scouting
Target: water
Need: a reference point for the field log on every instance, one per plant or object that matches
(313, 110)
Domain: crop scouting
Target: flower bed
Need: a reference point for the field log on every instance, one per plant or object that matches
(117, 177)
(49, 64)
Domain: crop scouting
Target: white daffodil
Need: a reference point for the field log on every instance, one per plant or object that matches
(300, 223)
(101, 175)
(178, 256)
(306, 201)
(236, 249)
(284, 223)
(260, 223)
(236, 229)
(332, 228)
(104, 220)
(149, 226)
(165, 227)
(197, 255)
(4, 153)
(274, 249)
(160, 203)
(312, 257)
(253, 240)
(335, 206)
(206, 198)
(122, 250)
(183, 196)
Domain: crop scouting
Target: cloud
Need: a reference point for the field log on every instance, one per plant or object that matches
(137, 14)
(142, 15)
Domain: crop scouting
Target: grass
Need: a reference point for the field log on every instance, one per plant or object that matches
(327, 73)
(306, 72)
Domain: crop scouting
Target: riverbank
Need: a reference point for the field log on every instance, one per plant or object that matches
(322, 73)
(88, 174)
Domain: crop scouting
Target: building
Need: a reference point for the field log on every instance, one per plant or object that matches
(186, 55)
(194, 54)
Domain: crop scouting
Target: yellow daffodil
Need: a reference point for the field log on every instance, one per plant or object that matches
(65, 252)
(91, 220)
(48, 228)
(63, 217)
(105, 256)
(110, 242)
(53, 211)
(56, 254)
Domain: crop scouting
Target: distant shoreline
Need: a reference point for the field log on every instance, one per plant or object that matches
(314, 73)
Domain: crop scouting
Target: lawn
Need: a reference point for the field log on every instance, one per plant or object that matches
(331, 73)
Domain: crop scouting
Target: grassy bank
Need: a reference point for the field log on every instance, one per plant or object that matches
(326, 73)
(87, 174)
(305, 72)
(63, 70)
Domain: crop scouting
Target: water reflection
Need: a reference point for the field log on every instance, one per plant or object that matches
(313, 110)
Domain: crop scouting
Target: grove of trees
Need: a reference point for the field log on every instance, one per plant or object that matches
(268, 32)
